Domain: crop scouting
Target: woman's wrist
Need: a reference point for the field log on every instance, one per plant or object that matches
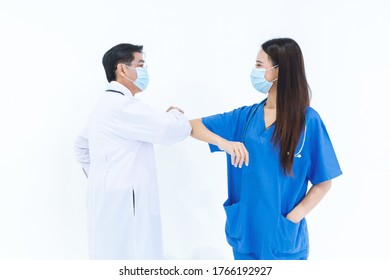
(295, 216)
(220, 142)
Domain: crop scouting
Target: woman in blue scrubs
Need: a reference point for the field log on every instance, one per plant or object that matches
(288, 146)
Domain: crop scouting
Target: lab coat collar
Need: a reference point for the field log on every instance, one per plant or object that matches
(114, 85)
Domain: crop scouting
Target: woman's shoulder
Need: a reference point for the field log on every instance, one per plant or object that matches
(234, 114)
(247, 109)
(313, 118)
(311, 113)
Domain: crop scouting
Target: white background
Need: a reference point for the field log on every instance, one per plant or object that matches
(200, 54)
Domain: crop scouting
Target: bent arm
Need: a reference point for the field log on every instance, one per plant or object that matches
(236, 150)
(177, 127)
(311, 200)
(141, 122)
(202, 133)
(81, 150)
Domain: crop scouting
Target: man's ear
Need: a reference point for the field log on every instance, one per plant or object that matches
(120, 70)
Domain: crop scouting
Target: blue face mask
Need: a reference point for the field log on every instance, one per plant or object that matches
(142, 77)
(258, 80)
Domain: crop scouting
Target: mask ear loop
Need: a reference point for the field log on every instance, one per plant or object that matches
(132, 69)
(277, 65)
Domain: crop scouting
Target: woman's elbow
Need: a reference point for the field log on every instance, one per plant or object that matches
(194, 126)
(324, 187)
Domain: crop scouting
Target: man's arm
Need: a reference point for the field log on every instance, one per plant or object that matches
(81, 150)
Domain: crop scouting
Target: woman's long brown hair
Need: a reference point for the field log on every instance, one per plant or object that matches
(292, 97)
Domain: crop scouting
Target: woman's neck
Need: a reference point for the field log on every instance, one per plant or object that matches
(271, 100)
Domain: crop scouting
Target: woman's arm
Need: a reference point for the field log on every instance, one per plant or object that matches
(237, 150)
(312, 198)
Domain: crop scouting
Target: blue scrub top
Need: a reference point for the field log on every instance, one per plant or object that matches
(261, 195)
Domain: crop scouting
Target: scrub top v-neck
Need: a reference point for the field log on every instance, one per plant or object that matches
(261, 195)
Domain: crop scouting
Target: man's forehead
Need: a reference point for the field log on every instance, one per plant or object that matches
(139, 56)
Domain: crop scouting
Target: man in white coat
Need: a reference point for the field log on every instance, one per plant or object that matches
(116, 152)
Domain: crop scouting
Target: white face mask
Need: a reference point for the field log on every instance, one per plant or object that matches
(142, 77)
(259, 81)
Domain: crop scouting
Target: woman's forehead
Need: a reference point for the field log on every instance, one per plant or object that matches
(262, 56)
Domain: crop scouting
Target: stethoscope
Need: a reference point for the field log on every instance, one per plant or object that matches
(117, 91)
(297, 155)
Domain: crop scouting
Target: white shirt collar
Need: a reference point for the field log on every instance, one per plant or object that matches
(114, 85)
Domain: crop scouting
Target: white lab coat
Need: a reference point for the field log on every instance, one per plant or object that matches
(116, 152)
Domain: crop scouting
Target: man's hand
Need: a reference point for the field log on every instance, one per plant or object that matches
(173, 107)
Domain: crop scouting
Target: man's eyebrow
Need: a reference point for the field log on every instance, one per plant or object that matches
(142, 61)
(259, 61)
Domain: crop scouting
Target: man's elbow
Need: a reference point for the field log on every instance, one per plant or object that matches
(176, 133)
(186, 131)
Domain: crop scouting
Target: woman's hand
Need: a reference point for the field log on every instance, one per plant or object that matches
(315, 194)
(236, 150)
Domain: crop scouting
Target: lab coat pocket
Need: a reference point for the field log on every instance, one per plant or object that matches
(133, 199)
(290, 238)
(233, 227)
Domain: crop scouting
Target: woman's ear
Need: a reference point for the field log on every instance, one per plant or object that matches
(276, 72)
